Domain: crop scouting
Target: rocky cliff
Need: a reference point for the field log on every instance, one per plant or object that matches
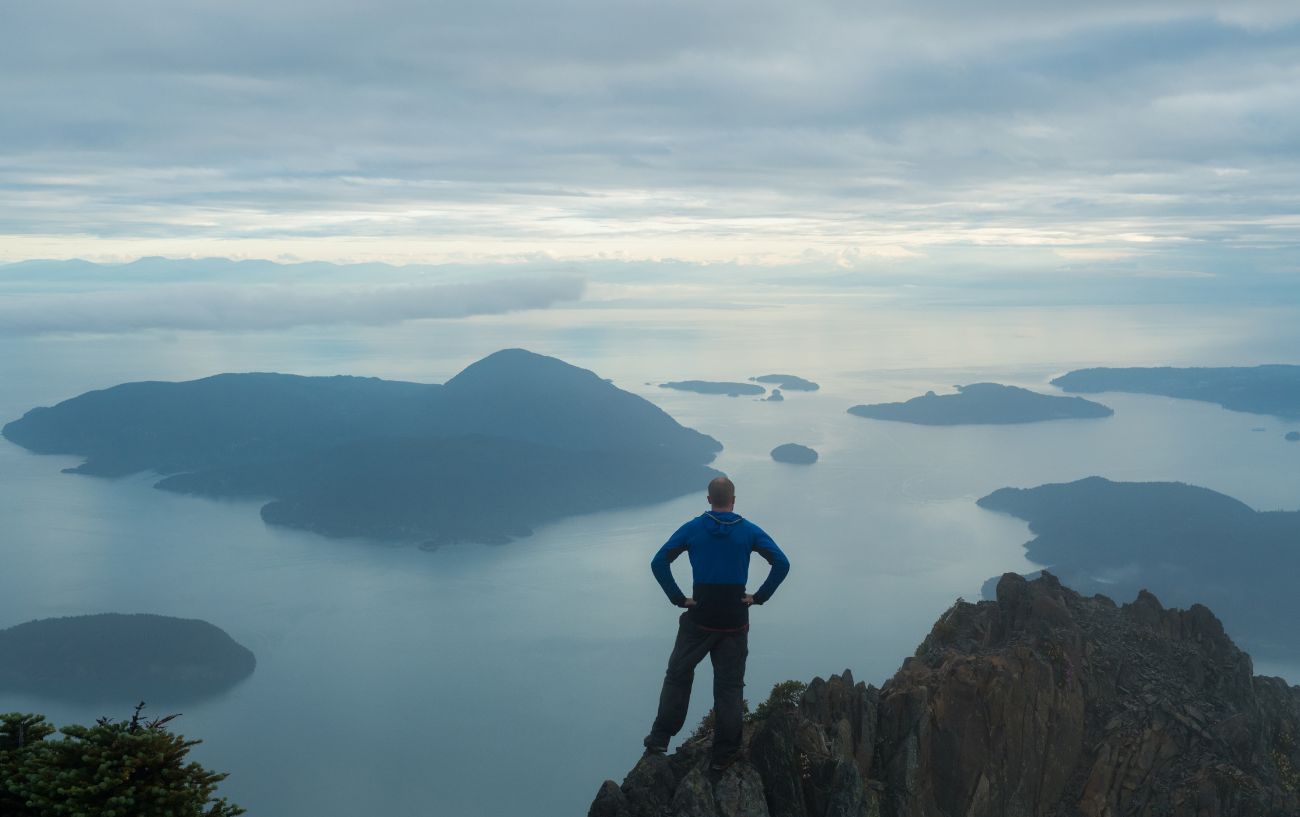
(1042, 702)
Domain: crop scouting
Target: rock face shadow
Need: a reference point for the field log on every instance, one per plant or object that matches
(1043, 702)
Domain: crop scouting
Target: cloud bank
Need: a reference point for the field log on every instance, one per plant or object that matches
(271, 306)
(725, 131)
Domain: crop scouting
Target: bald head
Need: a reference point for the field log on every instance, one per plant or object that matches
(722, 493)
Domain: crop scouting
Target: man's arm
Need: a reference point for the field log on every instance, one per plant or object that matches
(765, 547)
(676, 545)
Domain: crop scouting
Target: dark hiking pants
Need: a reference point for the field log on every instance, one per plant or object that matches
(727, 651)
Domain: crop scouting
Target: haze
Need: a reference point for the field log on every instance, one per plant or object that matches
(885, 199)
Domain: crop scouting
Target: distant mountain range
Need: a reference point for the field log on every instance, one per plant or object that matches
(984, 404)
(514, 440)
(1272, 389)
(1186, 544)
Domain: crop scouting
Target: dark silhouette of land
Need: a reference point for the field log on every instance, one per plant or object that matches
(442, 491)
(1272, 389)
(795, 454)
(714, 387)
(1040, 702)
(984, 404)
(788, 382)
(1184, 543)
(1292, 436)
(514, 440)
(123, 658)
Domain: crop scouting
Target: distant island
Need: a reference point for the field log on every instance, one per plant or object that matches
(362, 457)
(1271, 389)
(774, 397)
(122, 658)
(1186, 543)
(714, 387)
(787, 381)
(983, 404)
(795, 454)
(1292, 436)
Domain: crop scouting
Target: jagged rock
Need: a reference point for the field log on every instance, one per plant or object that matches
(694, 797)
(739, 793)
(1042, 703)
(650, 787)
(609, 802)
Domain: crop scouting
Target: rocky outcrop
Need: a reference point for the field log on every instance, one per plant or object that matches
(1042, 702)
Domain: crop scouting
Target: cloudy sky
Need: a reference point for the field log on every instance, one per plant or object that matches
(1136, 138)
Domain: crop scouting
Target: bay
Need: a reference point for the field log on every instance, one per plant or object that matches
(482, 680)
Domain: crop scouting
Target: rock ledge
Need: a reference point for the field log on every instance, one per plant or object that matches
(1042, 702)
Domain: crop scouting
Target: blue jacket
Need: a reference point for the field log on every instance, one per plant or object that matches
(719, 544)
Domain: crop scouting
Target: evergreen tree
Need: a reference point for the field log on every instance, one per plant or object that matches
(133, 768)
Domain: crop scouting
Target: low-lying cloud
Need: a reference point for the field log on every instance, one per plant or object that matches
(273, 306)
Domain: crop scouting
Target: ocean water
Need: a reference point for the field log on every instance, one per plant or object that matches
(483, 681)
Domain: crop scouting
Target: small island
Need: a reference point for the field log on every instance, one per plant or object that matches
(774, 397)
(795, 454)
(788, 382)
(1181, 541)
(1292, 436)
(714, 387)
(1271, 389)
(984, 404)
(112, 657)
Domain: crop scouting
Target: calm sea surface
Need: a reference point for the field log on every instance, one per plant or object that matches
(485, 681)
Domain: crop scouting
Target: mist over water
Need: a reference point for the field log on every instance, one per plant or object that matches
(396, 681)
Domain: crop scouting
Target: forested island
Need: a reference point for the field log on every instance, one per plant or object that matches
(514, 440)
(794, 454)
(121, 658)
(1184, 543)
(1271, 389)
(714, 387)
(984, 404)
(788, 382)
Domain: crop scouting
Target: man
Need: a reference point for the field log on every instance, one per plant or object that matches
(716, 621)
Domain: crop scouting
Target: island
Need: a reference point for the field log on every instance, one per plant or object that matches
(795, 454)
(1180, 541)
(774, 397)
(369, 458)
(984, 404)
(1272, 389)
(1292, 436)
(113, 657)
(714, 387)
(787, 381)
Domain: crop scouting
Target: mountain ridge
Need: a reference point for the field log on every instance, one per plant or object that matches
(1041, 703)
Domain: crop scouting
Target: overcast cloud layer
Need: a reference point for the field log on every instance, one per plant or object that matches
(1158, 138)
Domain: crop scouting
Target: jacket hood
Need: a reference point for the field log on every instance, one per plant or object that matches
(719, 523)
